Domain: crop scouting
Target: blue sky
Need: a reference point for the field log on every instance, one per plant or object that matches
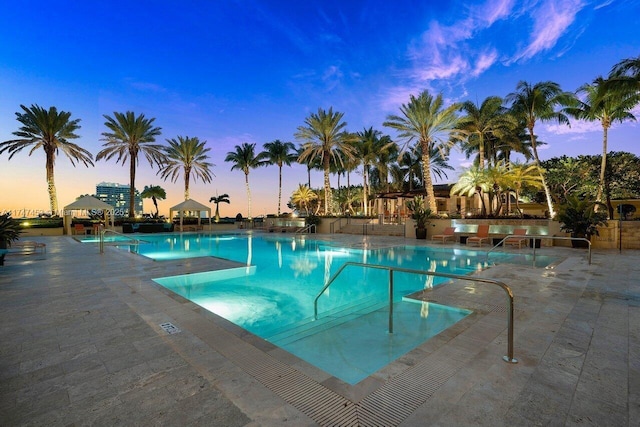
(251, 71)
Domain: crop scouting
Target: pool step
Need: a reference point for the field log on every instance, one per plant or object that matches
(309, 326)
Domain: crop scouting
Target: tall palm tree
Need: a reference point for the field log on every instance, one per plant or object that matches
(245, 159)
(223, 198)
(128, 137)
(369, 146)
(522, 176)
(279, 153)
(426, 120)
(603, 103)
(540, 101)
(155, 193)
(187, 155)
(52, 131)
(324, 138)
(483, 124)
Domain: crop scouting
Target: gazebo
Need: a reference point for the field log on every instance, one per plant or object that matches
(189, 206)
(87, 203)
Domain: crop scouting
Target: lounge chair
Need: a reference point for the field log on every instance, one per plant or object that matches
(481, 235)
(449, 233)
(28, 247)
(517, 240)
(79, 229)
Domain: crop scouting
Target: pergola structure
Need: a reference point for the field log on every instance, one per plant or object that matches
(190, 206)
(91, 205)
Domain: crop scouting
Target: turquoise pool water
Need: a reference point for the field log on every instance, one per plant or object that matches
(273, 295)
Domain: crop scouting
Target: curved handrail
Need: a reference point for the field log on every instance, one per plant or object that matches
(332, 225)
(508, 358)
(527, 236)
(103, 232)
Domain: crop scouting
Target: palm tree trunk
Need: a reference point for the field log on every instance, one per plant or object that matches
(426, 176)
(51, 185)
(547, 193)
(132, 189)
(155, 203)
(217, 212)
(481, 152)
(603, 165)
(327, 184)
(246, 183)
(279, 188)
(365, 198)
(186, 184)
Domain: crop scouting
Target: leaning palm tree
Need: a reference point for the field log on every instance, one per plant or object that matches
(187, 155)
(324, 138)
(426, 120)
(279, 153)
(128, 137)
(245, 159)
(531, 103)
(223, 198)
(603, 103)
(522, 176)
(52, 131)
(155, 193)
(473, 181)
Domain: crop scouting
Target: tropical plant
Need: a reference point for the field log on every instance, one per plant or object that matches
(522, 176)
(52, 131)
(578, 217)
(420, 214)
(128, 137)
(245, 159)
(302, 197)
(9, 230)
(223, 198)
(279, 153)
(324, 138)
(189, 156)
(539, 102)
(605, 104)
(155, 193)
(425, 120)
(369, 146)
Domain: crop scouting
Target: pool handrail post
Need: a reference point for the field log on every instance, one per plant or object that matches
(508, 358)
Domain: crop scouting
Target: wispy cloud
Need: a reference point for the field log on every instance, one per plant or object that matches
(577, 127)
(145, 86)
(551, 19)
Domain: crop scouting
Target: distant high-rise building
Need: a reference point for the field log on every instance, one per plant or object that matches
(117, 195)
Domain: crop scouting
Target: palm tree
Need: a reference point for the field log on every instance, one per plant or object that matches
(520, 176)
(369, 146)
(627, 67)
(128, 137)
(426, 120)
(607, 105)
(302, 197)
(531, 103)
(155, 193)
(188, 155)
(223, 198)
(245, 159)
(279, 153)
(324, 138)
(483, 124)
(473, 181)
(52, 131)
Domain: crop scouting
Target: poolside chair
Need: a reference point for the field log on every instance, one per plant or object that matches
(79, 229)
(517, 240)
(449, 233)
(481, 235)
(28, 247)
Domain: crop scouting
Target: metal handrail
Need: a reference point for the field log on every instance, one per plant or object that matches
(527, 236)
(103, 232)
(307, 229)
(508, 358)
(332, 225)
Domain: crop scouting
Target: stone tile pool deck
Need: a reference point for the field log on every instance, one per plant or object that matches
(82, 345)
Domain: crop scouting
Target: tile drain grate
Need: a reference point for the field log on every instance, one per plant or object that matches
(169, 328)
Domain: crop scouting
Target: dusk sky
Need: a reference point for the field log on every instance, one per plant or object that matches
(230, 72)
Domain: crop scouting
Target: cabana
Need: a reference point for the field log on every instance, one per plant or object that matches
(87, 203)
(190, 206)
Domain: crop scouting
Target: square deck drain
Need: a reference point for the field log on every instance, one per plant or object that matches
(169, 328)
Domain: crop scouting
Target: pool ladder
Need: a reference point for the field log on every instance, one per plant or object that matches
(134, 241)
(508, 358)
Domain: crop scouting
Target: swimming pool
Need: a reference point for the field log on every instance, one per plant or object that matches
(272, 295)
